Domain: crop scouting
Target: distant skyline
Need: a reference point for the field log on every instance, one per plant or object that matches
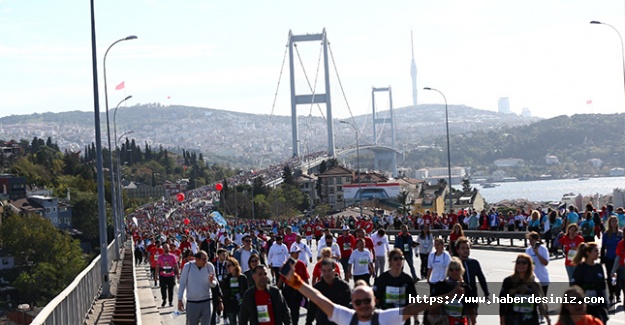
(542, 55)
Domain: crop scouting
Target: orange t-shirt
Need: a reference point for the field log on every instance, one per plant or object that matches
(586, 320)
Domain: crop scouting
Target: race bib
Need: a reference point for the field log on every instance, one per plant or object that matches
(571, 254)
(406, 247)
(219, 277)
(234, 282)
(453, 309)
(347, 246)
(363, 261)
(395, 296)
(263, 314)
(523, 307)
(156, 257)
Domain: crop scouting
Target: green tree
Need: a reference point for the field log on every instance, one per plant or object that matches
(287, 175)
(50, 259)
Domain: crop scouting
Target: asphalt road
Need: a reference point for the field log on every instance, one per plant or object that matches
(496, 265)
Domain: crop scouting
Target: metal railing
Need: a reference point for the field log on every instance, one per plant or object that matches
(72, 304)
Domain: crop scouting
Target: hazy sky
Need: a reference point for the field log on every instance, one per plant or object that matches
(543, 55)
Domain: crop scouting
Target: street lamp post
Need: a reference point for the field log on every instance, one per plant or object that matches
(622, 47)
(451, 200)
(108, 131)
(118, 197)
(104, 271)
(358, 164)
(120, 193)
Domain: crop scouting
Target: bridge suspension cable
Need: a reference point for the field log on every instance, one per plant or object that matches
(273, 105)
(308, 80)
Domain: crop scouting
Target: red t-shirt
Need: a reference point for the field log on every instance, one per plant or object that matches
(318, 230)
(317, 270)
(587, 320)
(620, 249)
(346, 245)
(264, 307)
(185, 244)
(570, 247)
(427, 220)
(155, 253)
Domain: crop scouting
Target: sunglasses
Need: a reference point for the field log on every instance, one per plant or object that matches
(359, 302)
(397, 258)
(522, 262)
(247, 241)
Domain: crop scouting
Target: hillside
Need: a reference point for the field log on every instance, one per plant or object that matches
(248, 140)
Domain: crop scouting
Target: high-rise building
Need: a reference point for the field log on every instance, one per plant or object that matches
(413, 74)
(504, 105)
(526, 112)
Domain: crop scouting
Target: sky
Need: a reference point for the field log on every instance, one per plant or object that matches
(543, 55)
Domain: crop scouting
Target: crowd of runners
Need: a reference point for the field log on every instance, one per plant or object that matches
(239, 264)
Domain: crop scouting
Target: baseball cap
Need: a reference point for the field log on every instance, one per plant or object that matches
(295, 249)
(345, 228)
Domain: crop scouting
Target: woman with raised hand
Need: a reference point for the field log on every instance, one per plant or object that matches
(522, 284)
(589, 276)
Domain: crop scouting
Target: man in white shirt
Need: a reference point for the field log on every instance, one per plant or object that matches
(329, 242)
(381, 247)
(306, 254)
(278, 254)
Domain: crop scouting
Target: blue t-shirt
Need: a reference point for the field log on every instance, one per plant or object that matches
(610, 243)
(572, 217)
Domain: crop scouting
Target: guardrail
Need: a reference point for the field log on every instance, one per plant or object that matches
(494, 236)
(72, 304)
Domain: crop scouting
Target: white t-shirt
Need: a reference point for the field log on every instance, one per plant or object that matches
(342, 315)
(382, 248)
(361, 261)
(438, 264)
(336, 250)
(540, 270)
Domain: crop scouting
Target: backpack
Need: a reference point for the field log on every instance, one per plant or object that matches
(375, 320)
(586, 228)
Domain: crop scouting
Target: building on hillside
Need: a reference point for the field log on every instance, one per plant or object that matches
(307, 184)
(59, 213)
(551, 160)
(526, 112)
(331, 182)
(6, 260)
(504, 105)
(370, 178)
(618, 197)
(12, 187)
(431, 197)
(596, 162)
(13, 149)
(412, 186)
(618, 171)
(509, 162)
(469, 200)
(432, 175)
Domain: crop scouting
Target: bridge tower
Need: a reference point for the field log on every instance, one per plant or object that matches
(312, 98)
(389, 159)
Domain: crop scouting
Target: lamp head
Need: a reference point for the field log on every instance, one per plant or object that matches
(427, 88)
(344, 122)
(127, 98)
(595, 22)
(131, 37)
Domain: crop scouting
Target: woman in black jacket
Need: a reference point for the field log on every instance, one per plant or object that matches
(233, 286)
(591, 278)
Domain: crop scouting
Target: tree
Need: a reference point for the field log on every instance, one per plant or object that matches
(50, 259)
(402, 198)
(323, 167)
(287, 175)
(466, 185)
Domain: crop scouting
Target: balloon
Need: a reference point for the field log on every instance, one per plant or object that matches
(186, 221)
(180, 197)
(219, 187)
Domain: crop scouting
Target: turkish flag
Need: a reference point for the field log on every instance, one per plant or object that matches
(120, 86)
